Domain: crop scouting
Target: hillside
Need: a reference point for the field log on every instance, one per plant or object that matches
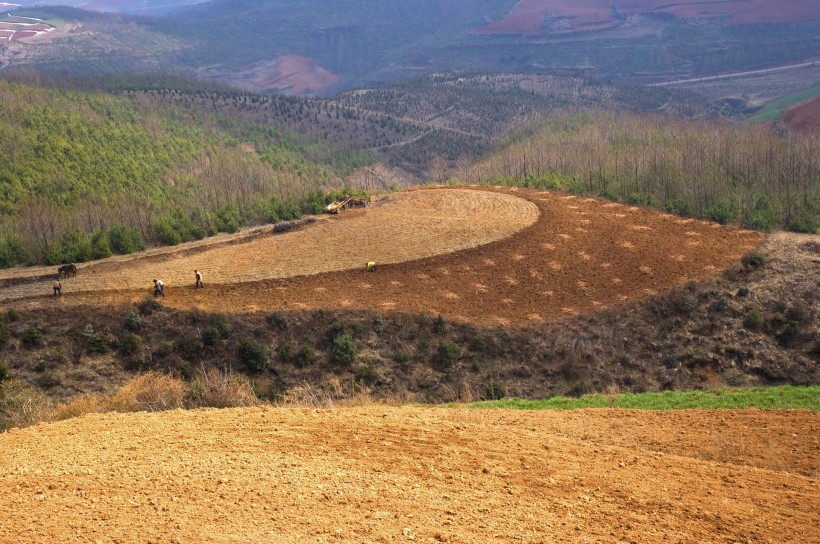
(321, 47)
(409, 125)
(83, 173)
(592, 296)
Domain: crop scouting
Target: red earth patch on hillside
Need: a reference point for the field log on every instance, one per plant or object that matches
(804, 117)
(292, 74)
(528, 17)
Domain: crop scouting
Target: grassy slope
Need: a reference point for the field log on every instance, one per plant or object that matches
(768, 398)
(774, 109)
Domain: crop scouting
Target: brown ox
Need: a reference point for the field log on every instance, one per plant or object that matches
(67, 269)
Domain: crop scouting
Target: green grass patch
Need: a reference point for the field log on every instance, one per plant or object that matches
(787, 397)
(774, 109)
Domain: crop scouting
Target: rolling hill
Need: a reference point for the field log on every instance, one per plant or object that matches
(322, 46)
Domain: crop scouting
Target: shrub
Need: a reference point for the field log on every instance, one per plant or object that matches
(228, 219)
(494, 391)
(47, 380)
(343, 350)
(4, 335)
(763, 216)
(100, 249)
(131, 343)
(125, 240)
(12, 251)
(378, 324)
(285, 352)
(753, 320)
(753, 260)
(21, 405)
(305, 356)
(807, 223)
(12, 315)
(722, 211)
(253, 354)
(33, 337)
(789, 334)
(401, 357)
(366, 374)
(277, 320)
(72, 247)
(97, 342)
(225, 329)
(688, 304)
(219, 389)
(149, 306)
(678, 206)
(149, 392)
(175, 227)
(447, 353)
(439, 324)
(211, 336)
(133, 322)
(478, 343)
(5, 372)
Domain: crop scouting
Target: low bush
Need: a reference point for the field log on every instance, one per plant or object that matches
(130, 344)
(753, 320)
(125, 240)
(494, 391)
(343, 350)
(366, 374)
(277, 320)
(211, 336)
(4, 335)
(807, 223)
(22, 405)
(149, 392)
(149, 306)
(753, 260)
(32, 338)
(285, 352)
(447, 354)
(722, 211)
(5, 372)
(253, 354)
(305, 356)
(133, 322)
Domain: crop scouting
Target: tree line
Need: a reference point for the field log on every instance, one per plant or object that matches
(759, 175)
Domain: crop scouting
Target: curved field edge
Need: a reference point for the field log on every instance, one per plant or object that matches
(765, 398)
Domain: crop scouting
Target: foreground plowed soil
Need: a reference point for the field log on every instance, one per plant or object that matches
(383, 474)
(475, 255)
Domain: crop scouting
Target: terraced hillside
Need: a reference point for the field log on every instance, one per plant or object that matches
(472, 255)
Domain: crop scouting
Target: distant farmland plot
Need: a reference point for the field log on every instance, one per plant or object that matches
(530, 16)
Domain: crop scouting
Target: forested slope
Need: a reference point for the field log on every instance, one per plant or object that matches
(760, 175)
(86, 173)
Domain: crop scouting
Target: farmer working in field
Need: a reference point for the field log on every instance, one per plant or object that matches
(159, 288)
(371, 266)
(58, 288)
(198, 277)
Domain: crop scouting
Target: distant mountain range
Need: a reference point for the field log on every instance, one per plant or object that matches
(316, 47)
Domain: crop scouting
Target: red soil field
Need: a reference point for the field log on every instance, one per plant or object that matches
(291, 74)
(480, 256)
(528, 16)
(413, 474)
(805, 116)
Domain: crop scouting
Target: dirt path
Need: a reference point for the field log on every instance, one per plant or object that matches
(481, 256)
(380, 474)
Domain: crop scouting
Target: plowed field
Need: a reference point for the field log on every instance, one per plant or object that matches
(479, 256)
(413, 474)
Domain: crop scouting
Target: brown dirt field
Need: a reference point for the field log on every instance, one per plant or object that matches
(528, 16)
(805, 116)
(292, 74)
(479, 256)
(384, 474)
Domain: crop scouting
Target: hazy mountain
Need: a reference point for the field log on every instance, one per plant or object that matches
(320, 46)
